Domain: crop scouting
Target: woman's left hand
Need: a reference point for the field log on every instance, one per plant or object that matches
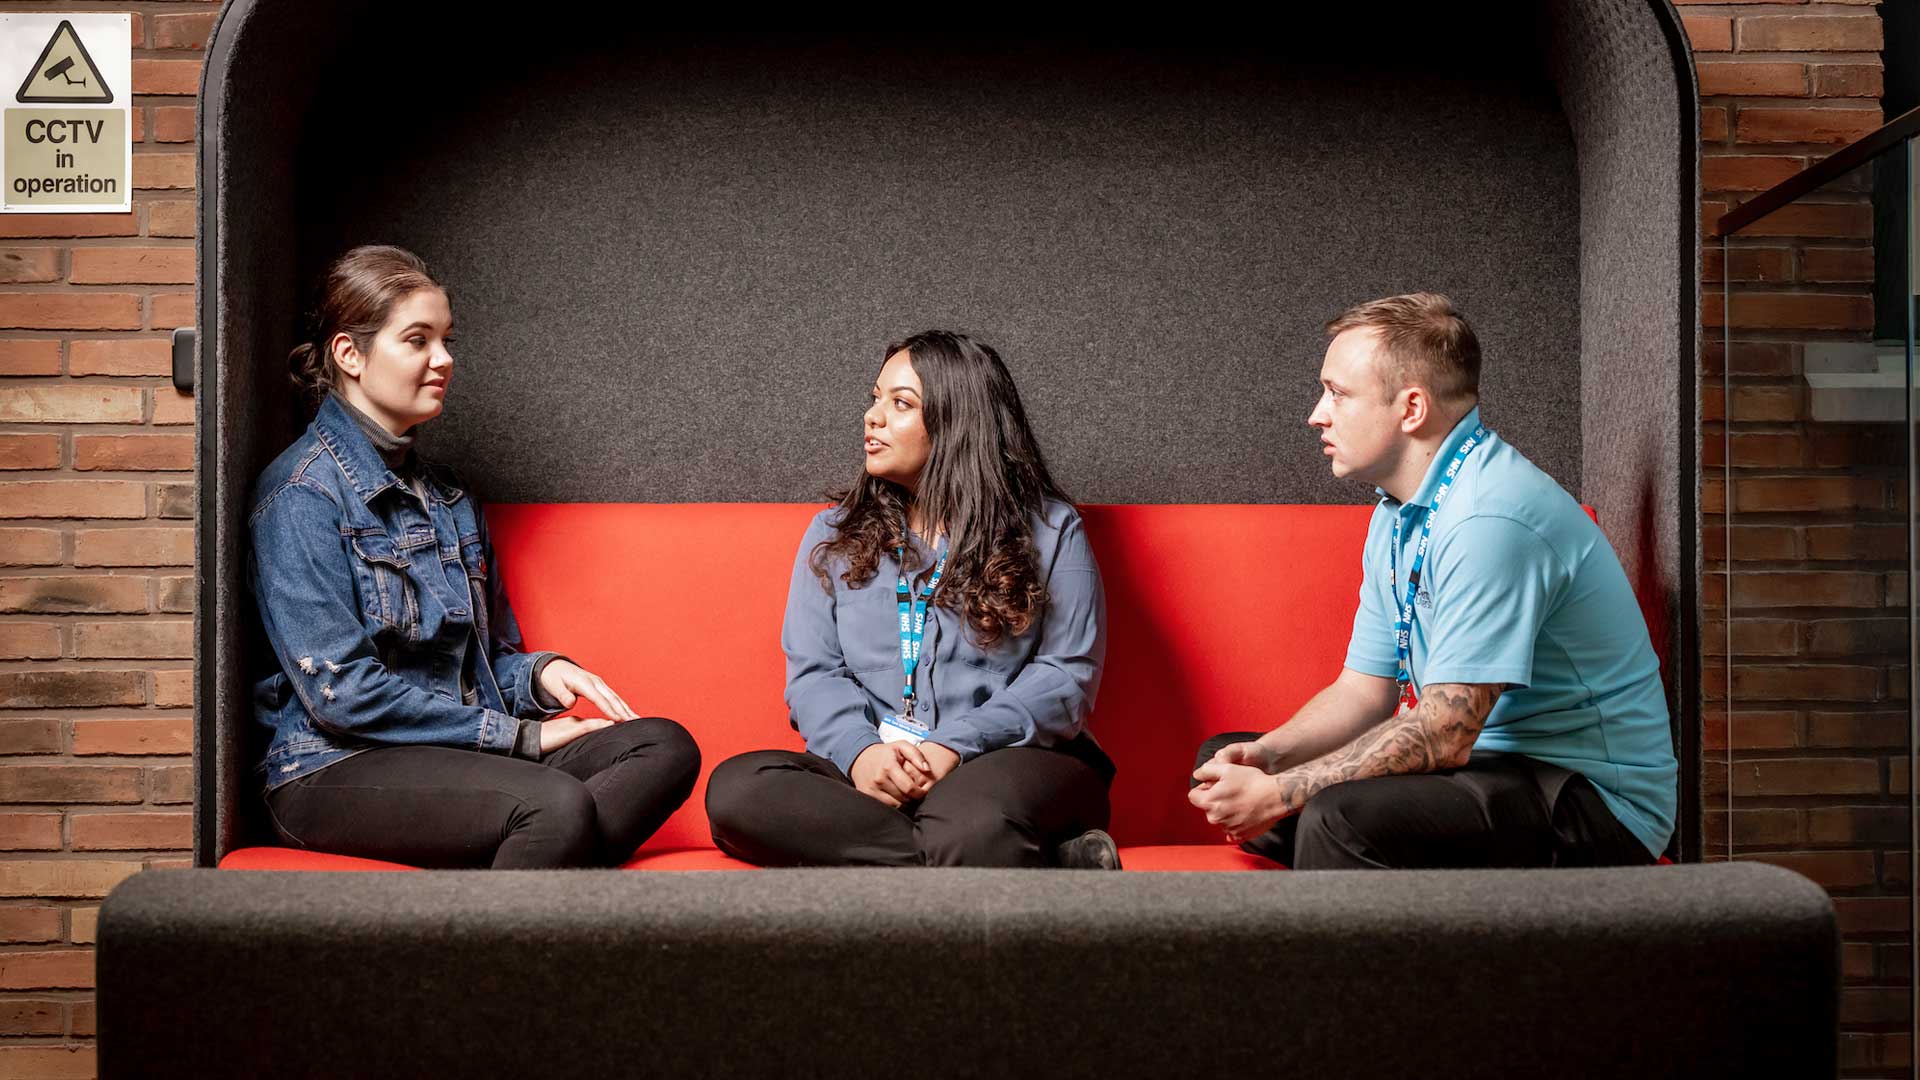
(567, 682)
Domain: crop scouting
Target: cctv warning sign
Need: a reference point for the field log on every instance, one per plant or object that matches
(66, 125)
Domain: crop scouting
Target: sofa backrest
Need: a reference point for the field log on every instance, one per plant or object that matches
(1219, 618)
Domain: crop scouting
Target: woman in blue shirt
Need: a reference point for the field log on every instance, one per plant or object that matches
(944, 634)
(406, 722)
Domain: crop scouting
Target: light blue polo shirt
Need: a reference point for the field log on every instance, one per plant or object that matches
(1521, 587)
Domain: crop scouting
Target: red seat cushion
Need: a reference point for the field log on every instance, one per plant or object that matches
(279, 858)
(1192, 857)
(652, 858)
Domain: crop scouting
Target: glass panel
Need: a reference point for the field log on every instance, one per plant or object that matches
(1809, 631)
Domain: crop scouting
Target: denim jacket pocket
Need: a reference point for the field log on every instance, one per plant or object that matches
(387, 593)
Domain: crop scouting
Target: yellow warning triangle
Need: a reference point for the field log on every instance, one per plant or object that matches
(65, 74)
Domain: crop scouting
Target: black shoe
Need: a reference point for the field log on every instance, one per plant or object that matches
(1091, 850)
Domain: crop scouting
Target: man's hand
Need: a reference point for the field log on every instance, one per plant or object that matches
(940, 761)
(1253, 753)
(567, 682)
(893, 773)
(1240, 799)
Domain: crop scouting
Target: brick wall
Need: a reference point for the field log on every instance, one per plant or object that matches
(96, 555)
(96, 504)
(1805, 698)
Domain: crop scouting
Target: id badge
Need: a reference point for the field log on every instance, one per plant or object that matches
(900, 729)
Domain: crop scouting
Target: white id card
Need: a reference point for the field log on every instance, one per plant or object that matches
(900, 729)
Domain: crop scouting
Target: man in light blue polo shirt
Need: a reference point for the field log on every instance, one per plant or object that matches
(1540, 735)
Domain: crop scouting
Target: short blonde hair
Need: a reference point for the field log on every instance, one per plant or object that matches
(1423, 340)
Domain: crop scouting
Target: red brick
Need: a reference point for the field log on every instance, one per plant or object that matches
(171, 407)
(1752, 542)
(1753, 682)
(45, 225)
(56, 689)
(1809, 33)
(1832, 869)
(1848, 80)
(1873, 1006)
(170, 219)
(50, 1062)
(1836, 264)
(1835, 126)
(175, 594)
(172, 785)
(1747, 264)
(1857, 637)
(40, 735)
(161, 453)
(86, 925)
(70, 311)
(139, 831)
(73, 498)
(137, 639)
(1816, 588)
(60, 594)
(30, 832)
(1857, 542)
(182, 31)
(1871, 915)
(162, 172)
(1808, 776)
(1851, 446)
(121, 356)
(19, 266)
(75, 404)
(29, 357)
(1708, 33)
(69, 783)
(1750, 358)
(1754, 828)
(164, 735)
(1752, 730)
(147, 266)
(46, 970)
(1856, 825)
(62, 877)
(173, 688)
(1714, 126)
(1756, 451)
(172, 310)
(32, 1016)
(85, 1019)
(1806, 493)
(1750, 79)
(166, 76)
(1825, 221)
(173, 124)
(29, 547)
(29, 451)
(163, 546)
(174, 502)
(28, 641)
(1857, 730)
(1795, 311)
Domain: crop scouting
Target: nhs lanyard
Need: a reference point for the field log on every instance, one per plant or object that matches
(1403, 625)
(913, 622)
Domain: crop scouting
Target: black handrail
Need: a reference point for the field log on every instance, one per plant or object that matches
(1821, 173)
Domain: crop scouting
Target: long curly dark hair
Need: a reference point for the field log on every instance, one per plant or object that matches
(984, 482)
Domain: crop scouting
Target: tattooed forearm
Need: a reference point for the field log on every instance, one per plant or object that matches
(1436, 734)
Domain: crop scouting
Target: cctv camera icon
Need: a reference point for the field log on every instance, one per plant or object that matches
(60, 69)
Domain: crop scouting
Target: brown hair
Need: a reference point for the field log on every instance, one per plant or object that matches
(354, 297)
(1423, 340)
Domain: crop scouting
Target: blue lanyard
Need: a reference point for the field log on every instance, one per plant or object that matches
(913, 621)
(1403, 625)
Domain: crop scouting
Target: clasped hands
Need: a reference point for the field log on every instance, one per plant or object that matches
(567, 682)
(1237, 791)
(897, 773)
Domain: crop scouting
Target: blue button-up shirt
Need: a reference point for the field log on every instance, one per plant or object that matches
(370, 593)
(1037, 689)
(1521, 588)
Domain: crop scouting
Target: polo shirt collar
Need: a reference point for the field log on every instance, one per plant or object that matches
(1438, 466)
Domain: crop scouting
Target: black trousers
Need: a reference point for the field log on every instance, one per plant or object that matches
(1496, 810)
(1004, 808)
(589, 803)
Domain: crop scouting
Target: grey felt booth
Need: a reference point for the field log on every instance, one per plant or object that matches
(1726, 970)
(675, 258)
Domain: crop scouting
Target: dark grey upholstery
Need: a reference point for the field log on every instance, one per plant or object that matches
(675, 257)
(1696, 971)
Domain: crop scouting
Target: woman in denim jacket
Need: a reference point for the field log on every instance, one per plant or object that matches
(945, 631)
(407, 724)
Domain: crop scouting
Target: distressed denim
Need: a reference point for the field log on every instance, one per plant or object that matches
(370, 595)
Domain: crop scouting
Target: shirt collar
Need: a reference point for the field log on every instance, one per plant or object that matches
(366, 470)
(1437, 468)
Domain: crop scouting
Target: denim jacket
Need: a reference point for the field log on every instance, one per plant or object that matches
(371, 596)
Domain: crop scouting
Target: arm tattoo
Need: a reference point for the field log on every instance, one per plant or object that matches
(1436, 734)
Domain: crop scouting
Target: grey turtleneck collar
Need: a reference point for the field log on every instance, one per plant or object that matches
(393, 448)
